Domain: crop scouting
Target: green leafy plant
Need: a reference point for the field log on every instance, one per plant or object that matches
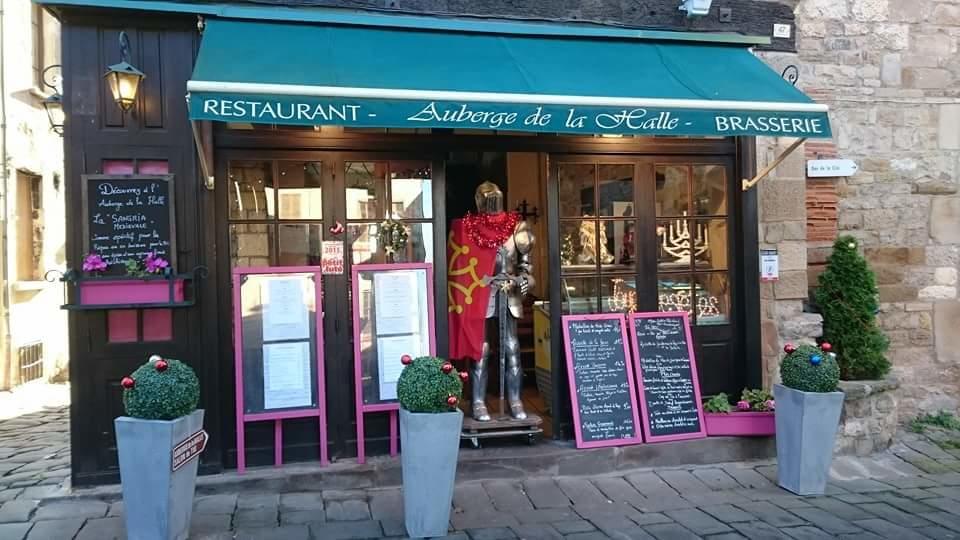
(719, 403)
(429, 385)
(161, 389)
(942, 419)
(810, 369)
(759, 400)
(848, 299)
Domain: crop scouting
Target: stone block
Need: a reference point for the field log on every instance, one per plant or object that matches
(888, 274)
(783, 200)
(945, 220)
(793, 255)
(897, 293)
(927, 78)
(870, 10)
(918, 306)
(937, 292)
(824, 9)
(806, 326)
(949, 124)
(895, 37)
(895, 255)
(947, 14)
(946, 322)
(792, 285)
(943, 256)
(945, 276)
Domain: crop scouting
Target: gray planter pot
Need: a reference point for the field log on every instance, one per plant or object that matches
(430, 444)
(157, 502)
(806, 429)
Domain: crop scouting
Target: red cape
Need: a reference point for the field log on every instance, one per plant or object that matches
(467, 296)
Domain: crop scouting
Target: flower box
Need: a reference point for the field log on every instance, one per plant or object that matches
(740, 424)
(106, 291)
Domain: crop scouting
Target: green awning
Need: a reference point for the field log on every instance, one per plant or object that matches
(311, 74)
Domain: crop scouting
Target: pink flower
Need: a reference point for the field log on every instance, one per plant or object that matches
(155, 264)
(743, 405)
(770, 404)
(94, 263)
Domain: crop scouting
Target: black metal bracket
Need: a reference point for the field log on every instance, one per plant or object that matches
(74, 279)
(791, 74)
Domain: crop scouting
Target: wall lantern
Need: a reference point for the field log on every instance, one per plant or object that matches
(124, 79)
(696, 7)
(53, 103)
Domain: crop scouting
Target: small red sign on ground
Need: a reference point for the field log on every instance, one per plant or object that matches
(189, 449)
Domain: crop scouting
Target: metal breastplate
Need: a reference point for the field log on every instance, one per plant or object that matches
(505, 263)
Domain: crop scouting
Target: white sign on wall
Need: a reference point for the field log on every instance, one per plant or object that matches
(769, 265)
(826, 168)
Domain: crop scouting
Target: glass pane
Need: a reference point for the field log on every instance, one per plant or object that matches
(580, 295)
(577, 185)
(578, 246)
(363, 243)
(419, 247)
(618, 245)
(675, 293)
(616, 190)
(411, 192)
(709, 190)
(251, 245)
(619, 294)
(713, 299)
(300, 245)
(674, 242)
(251, 189)
(366, 189)
(673, 196)
(710, 246)
(301, 191)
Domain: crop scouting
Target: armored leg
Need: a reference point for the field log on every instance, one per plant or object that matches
(514, 371)
(478, 381)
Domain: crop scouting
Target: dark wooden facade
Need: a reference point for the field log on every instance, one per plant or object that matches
(158, 129)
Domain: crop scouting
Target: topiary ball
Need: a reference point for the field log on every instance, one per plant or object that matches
(810, 369)
(426, 386)
(162, 389)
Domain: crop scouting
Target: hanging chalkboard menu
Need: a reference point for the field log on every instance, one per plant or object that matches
(667, 373)
(601, 380)
(128, 217)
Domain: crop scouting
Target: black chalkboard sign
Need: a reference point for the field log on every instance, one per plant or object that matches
(667, 373)
(601, 380)
(128, 217)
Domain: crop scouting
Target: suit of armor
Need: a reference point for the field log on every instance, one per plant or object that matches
(511, 281)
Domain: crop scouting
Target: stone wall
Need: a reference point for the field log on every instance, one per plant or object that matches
(890, 71)
(869, 419)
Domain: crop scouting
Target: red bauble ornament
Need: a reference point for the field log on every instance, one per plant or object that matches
(463, 376)
(446, 368)
(127, 383)
(161, 365)
(789, 348)
(452, 401)
(826, 347)
(490, 230)
(406, 360)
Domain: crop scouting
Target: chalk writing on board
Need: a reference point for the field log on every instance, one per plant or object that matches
(601, 380)
(128, 218)
(666, 369)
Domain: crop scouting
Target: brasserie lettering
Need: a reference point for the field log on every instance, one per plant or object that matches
(769, 124)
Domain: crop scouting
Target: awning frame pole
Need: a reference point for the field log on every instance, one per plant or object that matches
(205, 168)
(747, 184)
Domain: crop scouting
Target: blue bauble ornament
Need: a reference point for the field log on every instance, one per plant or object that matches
(815, 359)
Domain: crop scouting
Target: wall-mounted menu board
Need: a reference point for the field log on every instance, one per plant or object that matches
(601, 380)
(129, 216)
(667, 373)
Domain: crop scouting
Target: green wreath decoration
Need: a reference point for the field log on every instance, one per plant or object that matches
(394, 236)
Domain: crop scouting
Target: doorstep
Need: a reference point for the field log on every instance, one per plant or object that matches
(546, 459)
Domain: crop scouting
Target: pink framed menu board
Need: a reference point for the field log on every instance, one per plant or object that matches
(667, 376)
(278, 351)
(601, 380)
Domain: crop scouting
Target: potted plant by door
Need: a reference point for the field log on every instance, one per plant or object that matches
(752, 416)
(807, 417)
(429, 390)
(157, 472)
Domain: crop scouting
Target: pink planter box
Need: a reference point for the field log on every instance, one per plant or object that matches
(740, 424)
(129, 291)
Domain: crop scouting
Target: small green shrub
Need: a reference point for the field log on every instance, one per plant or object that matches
(942, 419)
(719, 403)
(810, 369)
(425, 386)
(161, 389)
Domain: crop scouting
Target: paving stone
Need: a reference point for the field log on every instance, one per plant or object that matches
(14, 531)
(948, 479)
(55, 529)
(16, 511)
(930, 450)
(757, 530)
(945, 519)
(716, 479)
(215, 504)
(862, 485)
(917, 493)
(289, 532)
(670, 531)
(255, 517)
(855, 498)
(349, 510)
(478, 520)
(768, 471)
(708, 498)
(938, 533)
(651, 486)
(491, 533)
(507, 496)
(747, 478)
(71, 509)
(595, 535)
(581, 491)
(684, 482)
(619, 490)
(950, 492)
(664, 503)
(393, 527)
(806, 533)
(944, 504)
(698, 521)
(344, 494)
(624, 531)
(537, 531)
(346, 530)
(10, 494)
(301, 501)
(547, 515)
(40, 492)
(385, 505)
(789, 502)
(471, 496)
(574, 526)
(826, 521)
(727, 513)
(209, 524)
(908, 482)
(258, 500)
(886, 529)
(116, 509)
(771, 514)
(545, 493)
(728, 536)
(841, 509)
(108, 528)
(895, 515)
(651, 518)
(301, 517)
(902, 503)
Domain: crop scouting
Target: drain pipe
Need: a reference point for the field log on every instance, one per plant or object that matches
(4, 241)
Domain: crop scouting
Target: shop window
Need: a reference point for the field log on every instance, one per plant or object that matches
(693, 241)
(29, 253)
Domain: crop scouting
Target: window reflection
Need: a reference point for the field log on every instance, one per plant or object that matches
(673, 194)
(300, 190)
(616, 190)
(619, 294)
(713, 299)
(411, 191)
(250, 244)
(577, 189)
(709, 190)
(300, 245)
(250, 184)
(366, 189)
